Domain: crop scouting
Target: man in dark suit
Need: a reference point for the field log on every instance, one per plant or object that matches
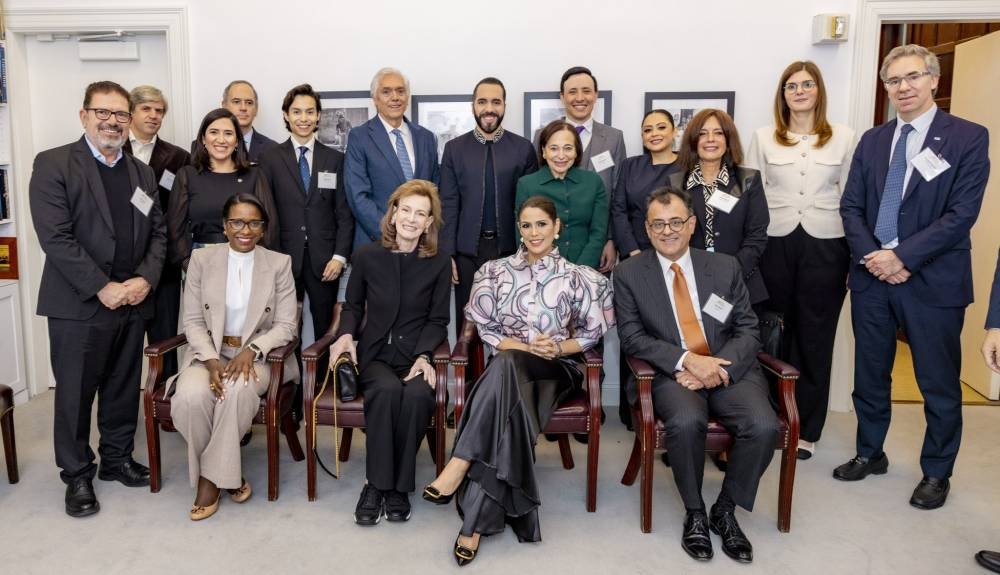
(913, 193)
(315, 222)
(98, 220)
(149, 106)
(240, 98)
(704, 350)
(385, 152)
(479, 173)
(991, 353)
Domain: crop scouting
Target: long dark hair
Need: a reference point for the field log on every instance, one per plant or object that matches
(687, 158)
(201, 160)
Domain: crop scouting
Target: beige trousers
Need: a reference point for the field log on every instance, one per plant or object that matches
(213, 428)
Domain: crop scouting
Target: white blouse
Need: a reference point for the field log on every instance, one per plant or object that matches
(802, 183)
(238, 284)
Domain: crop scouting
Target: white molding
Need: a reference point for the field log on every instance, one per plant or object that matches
(170, 20)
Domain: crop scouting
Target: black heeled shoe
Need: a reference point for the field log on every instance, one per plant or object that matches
(464, 555)
(436, 497)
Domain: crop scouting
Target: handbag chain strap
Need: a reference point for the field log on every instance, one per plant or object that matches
(331, 368)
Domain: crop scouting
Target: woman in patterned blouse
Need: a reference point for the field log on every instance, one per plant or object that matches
(539, 312)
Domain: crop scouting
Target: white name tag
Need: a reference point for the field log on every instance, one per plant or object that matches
(722, 201)
(327, 180)
(167, 179)
(142, 201)
(718, 308)
(929, 164)
(602, 161)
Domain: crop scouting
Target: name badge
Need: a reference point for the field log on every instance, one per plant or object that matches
(602, 161)
(142, 201)
(929, 164)
(167, 180)
(327, 180)
(718, 308)
(722, 201)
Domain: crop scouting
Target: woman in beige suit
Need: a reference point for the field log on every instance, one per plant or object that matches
(239, 303)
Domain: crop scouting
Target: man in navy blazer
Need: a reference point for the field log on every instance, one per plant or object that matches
(384, 153)
(991, 352)
(914, 191)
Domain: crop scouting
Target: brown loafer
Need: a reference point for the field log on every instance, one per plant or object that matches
(242, 493)
(199, 512)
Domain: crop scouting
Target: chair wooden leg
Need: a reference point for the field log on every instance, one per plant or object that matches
(272, 454)
(153, 451)
(593, 449)
(9, 445)
(646, 490)
(310, 454)
(345, 443)
(565, 452)
(288, 428)
(785, 486)
(632, 469)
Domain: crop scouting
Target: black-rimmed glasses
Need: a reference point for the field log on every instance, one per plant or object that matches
(103, 114)
(238, 225)
(675, 225)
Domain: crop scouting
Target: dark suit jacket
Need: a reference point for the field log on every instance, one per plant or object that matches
(742, 233)
(646, 323)
(372, 299)
(935, 217)
(462, 172)
(372, 172)
(259, 143)
(322, 216)
(993, 314)
(70, 212)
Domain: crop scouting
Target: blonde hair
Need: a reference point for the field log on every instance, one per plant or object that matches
(428, 244)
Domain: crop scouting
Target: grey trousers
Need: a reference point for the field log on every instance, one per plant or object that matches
(213, 428)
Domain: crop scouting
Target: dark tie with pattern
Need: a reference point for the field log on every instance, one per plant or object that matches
(887, 225)
(304, 168)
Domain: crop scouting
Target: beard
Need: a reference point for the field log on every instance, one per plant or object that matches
(482, 119)
(110, 141)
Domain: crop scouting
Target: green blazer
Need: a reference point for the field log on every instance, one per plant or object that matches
(582, 205)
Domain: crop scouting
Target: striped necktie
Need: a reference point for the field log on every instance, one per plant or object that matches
(404, 157)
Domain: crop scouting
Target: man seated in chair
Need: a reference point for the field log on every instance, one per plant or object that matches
(704, 350)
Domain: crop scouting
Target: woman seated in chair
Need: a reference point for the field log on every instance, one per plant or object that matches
(539, 312)
(397, 305)
(246, 294)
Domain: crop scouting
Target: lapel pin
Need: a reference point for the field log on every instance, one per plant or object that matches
(937, 138)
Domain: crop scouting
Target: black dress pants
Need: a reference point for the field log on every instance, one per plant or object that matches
(167, 306)
(102, 357)
(322, 299)
(467, 266)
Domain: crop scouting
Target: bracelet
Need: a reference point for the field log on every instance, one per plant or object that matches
(559, 351)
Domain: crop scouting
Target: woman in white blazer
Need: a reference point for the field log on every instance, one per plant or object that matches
(239, 303)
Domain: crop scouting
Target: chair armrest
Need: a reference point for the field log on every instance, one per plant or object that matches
(442, 354)
(640, 369)
(161, 347)
(155, 352)
(280, 354)
(319, 348)
(460, 354)
(786, 375)
(592, 358)
(776, 366)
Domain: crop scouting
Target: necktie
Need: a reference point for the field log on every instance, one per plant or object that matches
(304, 168)
(580, 129)
(887, 225)
(489, 192)
(690, 329)
(404, 158)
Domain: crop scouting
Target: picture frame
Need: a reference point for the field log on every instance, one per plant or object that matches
(8, 259)
(684, 105)
(540, 108)
(343, 111)
(447, 116)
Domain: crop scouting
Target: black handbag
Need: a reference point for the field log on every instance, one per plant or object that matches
(345, 377)
(772, 329)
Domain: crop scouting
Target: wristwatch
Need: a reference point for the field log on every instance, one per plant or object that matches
(258, 354)
(426, 357)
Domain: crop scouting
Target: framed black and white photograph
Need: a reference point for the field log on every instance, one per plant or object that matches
(684, 105)
(342, 111)
(540, 108)
(448, 116)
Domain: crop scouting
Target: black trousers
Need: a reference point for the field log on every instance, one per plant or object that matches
(322, 299)
(397, 414)
(806, 278)
(102, 357)
(167, 306)
(467, 266)
(744, 408)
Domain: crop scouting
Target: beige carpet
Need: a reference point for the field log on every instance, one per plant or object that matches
(904, 382)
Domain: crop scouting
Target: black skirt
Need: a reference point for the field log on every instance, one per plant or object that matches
(506, 410)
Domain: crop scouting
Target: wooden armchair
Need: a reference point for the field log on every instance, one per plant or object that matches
(578, 413)
(7, 430)
(650, 435)
(319, 410)
(275, 409)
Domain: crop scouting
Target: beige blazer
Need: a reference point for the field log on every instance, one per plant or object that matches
(271, 314)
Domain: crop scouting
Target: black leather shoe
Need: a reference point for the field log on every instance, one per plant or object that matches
(130, 473)
(720, 463)
(370, 506)
(245, 440)
(397, 506)
(464, 555)
(665, 458)
(930, 493)
(80, 498)
(861, 467)
(734, 542)
(581, 438)
(989, 560)
(696, 540)
(436, 497)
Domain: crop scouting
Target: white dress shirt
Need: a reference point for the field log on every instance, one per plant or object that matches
(309, 151)
(239, 282)
(687, 267)
(407, 140)
(141, 151)
(588, 130)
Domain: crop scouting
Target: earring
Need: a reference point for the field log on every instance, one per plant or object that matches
(557, 236)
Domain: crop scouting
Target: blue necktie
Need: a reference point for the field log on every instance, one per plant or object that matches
(304, 168)
(887, 225)
(404, 158)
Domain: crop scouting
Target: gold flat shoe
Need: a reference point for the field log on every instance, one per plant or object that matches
(242, 493)
(199, 512)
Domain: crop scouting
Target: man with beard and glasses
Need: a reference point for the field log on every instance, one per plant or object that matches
(479, 173)
(97, 215)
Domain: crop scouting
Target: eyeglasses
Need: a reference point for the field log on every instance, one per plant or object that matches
(911, 78)
(675, 224)
(103, 114)
(238, 225)
(793, 87)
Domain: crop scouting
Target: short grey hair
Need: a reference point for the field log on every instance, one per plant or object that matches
(930, 59)
(229, 86)
(143, 94)
(388, 72)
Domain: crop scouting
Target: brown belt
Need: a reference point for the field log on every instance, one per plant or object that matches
(232, 340)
